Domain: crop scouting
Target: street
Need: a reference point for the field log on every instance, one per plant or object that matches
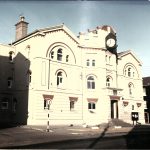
(75, 137)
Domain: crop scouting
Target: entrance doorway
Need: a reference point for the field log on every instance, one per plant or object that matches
(114, 109)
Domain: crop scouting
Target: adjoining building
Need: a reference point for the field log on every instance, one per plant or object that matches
(146, 88)
(83, 80)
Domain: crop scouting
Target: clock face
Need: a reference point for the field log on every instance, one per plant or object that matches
(111, 42)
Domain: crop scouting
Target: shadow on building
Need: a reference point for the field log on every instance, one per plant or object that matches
(14, 85)
(138, 137)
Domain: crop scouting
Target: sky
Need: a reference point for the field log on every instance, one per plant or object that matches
(130, 19)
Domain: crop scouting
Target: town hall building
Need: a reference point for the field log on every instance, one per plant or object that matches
(72, 80)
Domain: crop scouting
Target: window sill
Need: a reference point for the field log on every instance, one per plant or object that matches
(92, 111)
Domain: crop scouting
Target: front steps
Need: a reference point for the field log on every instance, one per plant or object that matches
(119, 123)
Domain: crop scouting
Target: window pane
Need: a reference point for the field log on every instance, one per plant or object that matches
(88, 62)
(88, 85)
(93, 105)
(93, 85)
(89, 105)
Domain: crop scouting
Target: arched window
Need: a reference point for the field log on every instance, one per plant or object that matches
(59, 78)
(108, 82)
(90, 82)
(87, 62)
(59, 54)
(129, 72)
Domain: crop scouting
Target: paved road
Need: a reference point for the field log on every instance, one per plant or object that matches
(75, 137)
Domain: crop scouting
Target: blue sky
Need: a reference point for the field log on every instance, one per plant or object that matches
(130, 19)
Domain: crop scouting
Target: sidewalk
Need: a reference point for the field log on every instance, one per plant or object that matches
(80, 129)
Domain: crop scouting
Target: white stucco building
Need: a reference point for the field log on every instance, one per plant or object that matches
(85, 79)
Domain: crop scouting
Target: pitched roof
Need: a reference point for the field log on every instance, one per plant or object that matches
(146, 81)
(49, 29)
(124, 53)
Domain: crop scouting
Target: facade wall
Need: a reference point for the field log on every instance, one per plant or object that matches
(76, 83)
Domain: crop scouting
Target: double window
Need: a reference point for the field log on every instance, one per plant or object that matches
(90, 62)
(91, 105)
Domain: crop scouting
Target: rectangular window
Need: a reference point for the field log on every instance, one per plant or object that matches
(4, 104)
(91, 105)
(9, 83)
(45, 104)
(87, 62)
(91, 85)
(114, 92)
(93, 62)
(72, 104)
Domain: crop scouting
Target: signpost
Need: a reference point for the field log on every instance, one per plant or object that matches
(48, 115)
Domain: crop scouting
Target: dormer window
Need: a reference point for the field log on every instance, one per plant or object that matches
(59, 54)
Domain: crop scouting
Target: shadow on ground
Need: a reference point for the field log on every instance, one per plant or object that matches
(138, 137)
(5, 126)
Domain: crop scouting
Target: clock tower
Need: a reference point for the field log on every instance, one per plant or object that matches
(111, 42)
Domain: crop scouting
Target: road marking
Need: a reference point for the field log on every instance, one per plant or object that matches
(76, 133)
(76, 129)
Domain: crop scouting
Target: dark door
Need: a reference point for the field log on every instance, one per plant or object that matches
(114, 109)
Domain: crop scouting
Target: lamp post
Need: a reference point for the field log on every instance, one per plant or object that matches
(48, 115)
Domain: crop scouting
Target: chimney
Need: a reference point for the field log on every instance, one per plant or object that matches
(21, 28)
